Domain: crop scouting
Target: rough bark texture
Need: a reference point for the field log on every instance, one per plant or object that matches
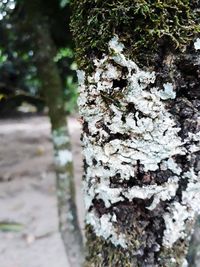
(140, 109)
(44, 52)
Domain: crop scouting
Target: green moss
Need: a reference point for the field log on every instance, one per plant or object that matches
(144, 26)
(102, 253)
(178, 252)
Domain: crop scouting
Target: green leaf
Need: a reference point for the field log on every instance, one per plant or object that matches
(11, 227)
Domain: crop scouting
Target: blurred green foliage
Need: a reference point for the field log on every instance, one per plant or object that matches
(19, 77)
(11, 227)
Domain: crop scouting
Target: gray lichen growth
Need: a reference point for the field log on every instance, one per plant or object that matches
(128, 133)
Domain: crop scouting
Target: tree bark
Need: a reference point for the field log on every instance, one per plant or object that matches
(44, 53)
(139, 101)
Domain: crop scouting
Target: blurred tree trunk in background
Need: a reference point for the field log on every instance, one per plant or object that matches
(44, 53)
(139, 101)
(194, 248)
(19, 82)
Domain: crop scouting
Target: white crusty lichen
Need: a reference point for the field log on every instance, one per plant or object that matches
(180, 212)
(63, 156)
(153, 140)
(115, 45)
(113, 195)
(60, 137)
(197, 44)
(104, 228)
(175, 223)
(168, 92)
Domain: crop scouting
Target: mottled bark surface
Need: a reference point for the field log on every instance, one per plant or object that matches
(141, 147)
(44, 54)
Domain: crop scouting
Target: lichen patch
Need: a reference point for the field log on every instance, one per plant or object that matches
(197, 44)
(63, 157)
(129, 134)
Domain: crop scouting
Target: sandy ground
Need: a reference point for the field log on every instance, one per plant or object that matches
(27, 193)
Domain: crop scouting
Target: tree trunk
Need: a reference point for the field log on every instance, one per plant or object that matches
(139, 101)
(194, 247)
(45, 52)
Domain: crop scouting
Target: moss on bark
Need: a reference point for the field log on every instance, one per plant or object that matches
(144, 26)
(105, 254)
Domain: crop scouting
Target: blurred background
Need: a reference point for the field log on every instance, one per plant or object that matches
(38, 88)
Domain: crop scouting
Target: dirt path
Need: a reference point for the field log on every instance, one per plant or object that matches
(27, 193)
